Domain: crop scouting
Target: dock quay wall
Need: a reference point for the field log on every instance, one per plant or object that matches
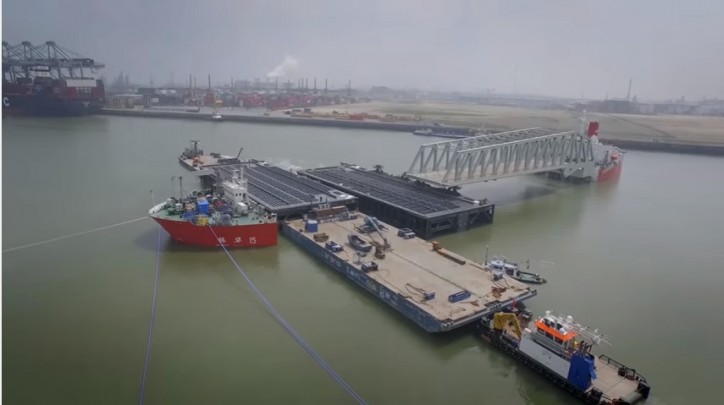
(689, 148)
(387, 126)
(673, 147)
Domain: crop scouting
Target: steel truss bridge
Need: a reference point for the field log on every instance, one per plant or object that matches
(490, 157)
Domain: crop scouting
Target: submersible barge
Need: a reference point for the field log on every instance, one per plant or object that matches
(437, 289)
(428, 211)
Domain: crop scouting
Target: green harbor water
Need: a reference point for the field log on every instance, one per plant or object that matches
(642, 259)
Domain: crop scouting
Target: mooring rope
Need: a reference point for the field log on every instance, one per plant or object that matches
(290, 329)
(153, 318)
(152, 321)
(43, 242)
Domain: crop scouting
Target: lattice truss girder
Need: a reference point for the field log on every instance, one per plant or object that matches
(61, 60)
(490, 157)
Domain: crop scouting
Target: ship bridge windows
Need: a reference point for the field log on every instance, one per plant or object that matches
(554, 331)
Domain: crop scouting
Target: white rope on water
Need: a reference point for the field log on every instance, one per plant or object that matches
(72, 235)
(152, 320)
(290, 329)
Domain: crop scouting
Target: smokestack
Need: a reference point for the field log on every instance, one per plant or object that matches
(194, 82)
(325, 84)
(209, 81)
(191, 82)
(306, 83)
(628, 94)
(315, 84)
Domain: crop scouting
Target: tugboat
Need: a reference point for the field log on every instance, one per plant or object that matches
(213, 220)
(501, 265)
(358, 244)
(513, 271)
(560, 349)
(215, 116)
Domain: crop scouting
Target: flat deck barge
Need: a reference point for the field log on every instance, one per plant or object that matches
(426, 210)
(436, 289)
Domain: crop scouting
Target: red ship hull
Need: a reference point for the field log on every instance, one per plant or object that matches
(251, 235)
(612, 172)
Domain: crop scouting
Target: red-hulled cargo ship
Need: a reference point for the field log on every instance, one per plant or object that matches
(49, 80)
(214, 220)
(608, 157)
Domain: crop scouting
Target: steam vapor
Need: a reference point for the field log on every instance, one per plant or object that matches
(288, 65)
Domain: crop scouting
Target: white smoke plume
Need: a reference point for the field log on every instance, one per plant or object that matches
(288, 65)
(286, 164)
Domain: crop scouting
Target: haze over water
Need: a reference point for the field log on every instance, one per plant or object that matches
(641, 259)
(557, 48)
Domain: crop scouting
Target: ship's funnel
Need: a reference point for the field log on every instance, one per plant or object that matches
(593, 128)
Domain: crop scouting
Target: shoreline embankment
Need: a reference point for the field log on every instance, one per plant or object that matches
(643, 145)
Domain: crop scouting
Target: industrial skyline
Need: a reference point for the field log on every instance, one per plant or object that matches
(557, 49)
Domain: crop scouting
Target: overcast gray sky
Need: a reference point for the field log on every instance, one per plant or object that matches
(557, 47)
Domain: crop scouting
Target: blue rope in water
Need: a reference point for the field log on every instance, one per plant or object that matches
(291, 330)
(153, 319)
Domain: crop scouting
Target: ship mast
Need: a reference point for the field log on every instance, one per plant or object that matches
(583, 119)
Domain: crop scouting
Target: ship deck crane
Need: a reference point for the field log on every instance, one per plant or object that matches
(500, 320)
(371, 222)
